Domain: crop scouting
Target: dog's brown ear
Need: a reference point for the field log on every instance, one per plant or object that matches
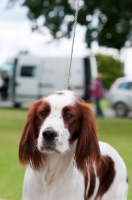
(87, 149)
(28, 152)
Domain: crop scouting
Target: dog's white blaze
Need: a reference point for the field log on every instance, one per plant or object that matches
(62, 100)
(55, 120)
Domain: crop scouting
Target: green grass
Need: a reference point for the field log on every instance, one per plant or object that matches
(11, 173)
(117, 132)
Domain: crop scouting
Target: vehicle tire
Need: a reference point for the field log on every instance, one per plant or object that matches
(121, 109)
(16, 105)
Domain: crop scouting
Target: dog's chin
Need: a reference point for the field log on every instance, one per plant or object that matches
(48, 150)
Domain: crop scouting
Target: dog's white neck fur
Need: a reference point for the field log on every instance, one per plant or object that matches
(58, 179)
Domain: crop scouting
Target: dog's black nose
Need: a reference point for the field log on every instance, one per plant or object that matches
(49, 135)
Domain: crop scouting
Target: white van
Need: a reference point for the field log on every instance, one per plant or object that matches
(30, 77)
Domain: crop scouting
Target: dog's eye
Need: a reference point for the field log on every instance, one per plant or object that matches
(68, 115)
(43, 113)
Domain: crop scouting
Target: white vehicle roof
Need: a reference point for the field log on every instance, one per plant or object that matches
(125, 78)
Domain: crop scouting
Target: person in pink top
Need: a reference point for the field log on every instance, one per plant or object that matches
(97, 95)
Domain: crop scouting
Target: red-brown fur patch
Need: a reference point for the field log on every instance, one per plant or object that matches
(73, 123)
(92, 181)
(60, 93)
(87, 150)
(28, 152)
(106, 174)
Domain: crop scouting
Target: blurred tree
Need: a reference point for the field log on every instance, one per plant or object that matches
(108, 22)
(109, 68)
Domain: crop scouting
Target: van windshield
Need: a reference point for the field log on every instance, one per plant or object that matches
(6, 69)
(6, 72)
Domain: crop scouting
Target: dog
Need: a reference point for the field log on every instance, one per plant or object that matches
(64, 159)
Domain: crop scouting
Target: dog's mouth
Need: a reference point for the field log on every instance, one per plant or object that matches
(49, 149)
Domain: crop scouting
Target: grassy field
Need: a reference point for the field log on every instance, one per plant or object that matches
(117, 132)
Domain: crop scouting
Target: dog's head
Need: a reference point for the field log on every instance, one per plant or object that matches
(58, 123)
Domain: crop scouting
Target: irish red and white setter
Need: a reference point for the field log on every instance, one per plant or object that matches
(64, 159)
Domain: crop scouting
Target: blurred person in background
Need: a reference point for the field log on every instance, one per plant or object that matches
(97, 93)
(4, 83)
(1, 82)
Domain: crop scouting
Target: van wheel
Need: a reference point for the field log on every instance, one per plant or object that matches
(16, 105)
(121, 110)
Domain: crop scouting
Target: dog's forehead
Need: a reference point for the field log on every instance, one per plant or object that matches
(60, 99)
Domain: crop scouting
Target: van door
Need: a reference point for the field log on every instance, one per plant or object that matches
(82, 73)
(90, 73)
(54, 74)
(77, 78)
(27, 80)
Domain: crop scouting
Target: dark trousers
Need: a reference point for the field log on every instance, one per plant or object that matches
(99, 112)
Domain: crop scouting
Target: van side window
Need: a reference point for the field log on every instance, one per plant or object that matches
(28, 71)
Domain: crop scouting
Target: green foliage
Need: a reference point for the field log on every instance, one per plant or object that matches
(108, 22)
(109, 68)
